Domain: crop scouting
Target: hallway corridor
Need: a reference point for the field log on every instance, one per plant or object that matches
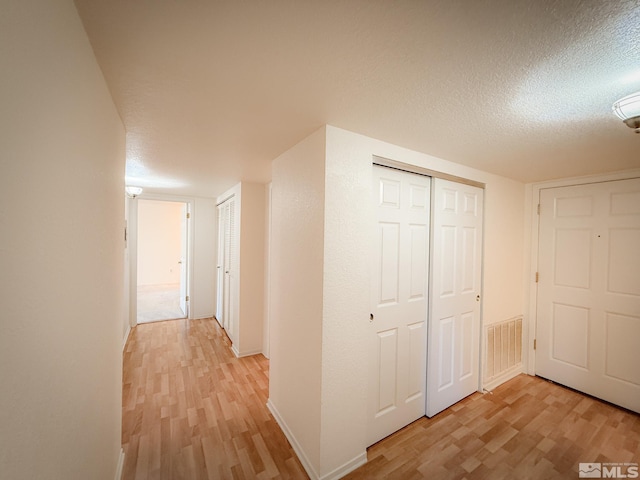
(192, 410)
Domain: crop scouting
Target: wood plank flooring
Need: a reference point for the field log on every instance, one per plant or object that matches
(528, 428)
(191, 410)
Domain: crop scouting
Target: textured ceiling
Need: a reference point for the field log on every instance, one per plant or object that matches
(211, 91)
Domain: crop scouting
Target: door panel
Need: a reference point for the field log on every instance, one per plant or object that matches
(399, 287)
(220, 265)
(588, 320)
(227, 268)
(184, 243)
(454, 319)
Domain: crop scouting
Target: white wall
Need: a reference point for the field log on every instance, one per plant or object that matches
(252, 260)
(267, 266)
(62, 148)
(343, 230)
(296, 276)
(159, 242)
(203, 277)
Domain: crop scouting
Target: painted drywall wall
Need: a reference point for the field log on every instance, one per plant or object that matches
(252, 240)
(203, 286)
(267, 267)
(159, 242)
(296, 303)
(62, 148)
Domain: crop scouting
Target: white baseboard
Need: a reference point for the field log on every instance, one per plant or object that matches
(244, 354)
(120, 466)
(126, 337)
(503, 377)
(313, 475)
(335, 474)
(348, 467)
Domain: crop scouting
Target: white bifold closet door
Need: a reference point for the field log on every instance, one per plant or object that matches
(454, 314)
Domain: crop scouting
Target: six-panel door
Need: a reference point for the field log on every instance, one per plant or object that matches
(588, 309)
(399, 289)
(454, 314)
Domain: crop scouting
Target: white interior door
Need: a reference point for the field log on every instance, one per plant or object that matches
(230, 267)
(399, 287)
(588, 309)
(227, 266)
(453, 366)
(220, 265)
(184, 228)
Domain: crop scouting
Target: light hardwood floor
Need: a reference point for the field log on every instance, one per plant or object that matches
(191, 410)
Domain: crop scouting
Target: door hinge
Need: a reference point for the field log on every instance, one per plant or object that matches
(537, 277)
(188, 215)
(535, 343)
(538, 209)
(187, 298)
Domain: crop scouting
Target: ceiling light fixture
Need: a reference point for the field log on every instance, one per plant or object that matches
(628, 110)
(133, 192)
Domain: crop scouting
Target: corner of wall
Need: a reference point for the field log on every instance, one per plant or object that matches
(295, 278)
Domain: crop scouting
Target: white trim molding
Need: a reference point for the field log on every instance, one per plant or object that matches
(335, 474)
(120, 466)
(249, 353)
(313, 475)
(348, 467)
(126, 337)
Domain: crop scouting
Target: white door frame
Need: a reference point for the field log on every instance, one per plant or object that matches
(132, 240)
(532, 199)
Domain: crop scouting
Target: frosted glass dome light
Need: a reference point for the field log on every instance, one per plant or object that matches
(628, 110)
(133, 192)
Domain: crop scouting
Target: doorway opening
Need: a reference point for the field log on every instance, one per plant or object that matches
(162, 264)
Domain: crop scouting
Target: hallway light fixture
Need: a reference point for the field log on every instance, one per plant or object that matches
(628, 110)
(133, 192)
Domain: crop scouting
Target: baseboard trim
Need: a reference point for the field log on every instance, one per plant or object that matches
(335, 474)
(313, 475)
(503, 377)
(348, 467)
(126, 337)
(244, 354)
(120, 467)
